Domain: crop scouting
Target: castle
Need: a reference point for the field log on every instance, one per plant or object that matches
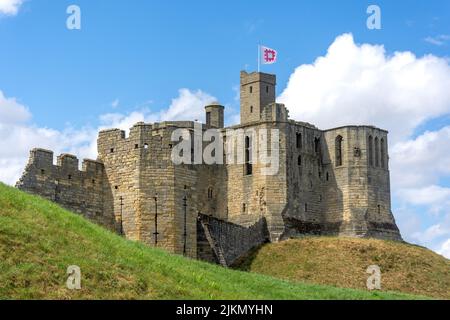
(328, 182)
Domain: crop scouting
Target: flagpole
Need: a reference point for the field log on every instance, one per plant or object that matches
(259, 58)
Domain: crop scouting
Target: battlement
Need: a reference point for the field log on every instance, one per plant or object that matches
(255, 77)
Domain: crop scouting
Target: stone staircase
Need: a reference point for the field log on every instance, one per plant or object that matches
(213, 243)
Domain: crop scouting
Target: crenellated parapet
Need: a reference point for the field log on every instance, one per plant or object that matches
(81, 191)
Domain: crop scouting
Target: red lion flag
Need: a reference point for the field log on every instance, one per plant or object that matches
(268, 55)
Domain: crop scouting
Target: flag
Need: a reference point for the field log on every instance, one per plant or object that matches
(268, 55)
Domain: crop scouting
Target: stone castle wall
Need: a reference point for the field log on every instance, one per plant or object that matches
(78, 191)
(329, 182)
(233, 241)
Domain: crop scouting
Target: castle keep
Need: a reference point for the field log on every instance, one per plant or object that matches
(328, 182)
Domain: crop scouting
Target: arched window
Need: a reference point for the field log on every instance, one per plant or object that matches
(338, 152)
(248, 156)
(377, 153)
(299, 160)
(383, 153)
(316, 145)
(370, 153)
(210, 193)
(299, 140)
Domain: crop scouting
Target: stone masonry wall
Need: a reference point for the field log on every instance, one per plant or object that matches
(234, 240)
(79, 191)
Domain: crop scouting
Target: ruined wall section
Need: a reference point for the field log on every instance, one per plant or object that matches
(305, 176)
(78, 191)
(234, 241)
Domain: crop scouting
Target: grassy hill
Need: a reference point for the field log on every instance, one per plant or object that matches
(39, 240)
(343, 262)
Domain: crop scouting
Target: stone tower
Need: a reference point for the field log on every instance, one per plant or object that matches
(214, 115)
(257, 91)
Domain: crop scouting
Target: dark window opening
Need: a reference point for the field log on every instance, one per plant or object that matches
(248, 157)
(299, 140)
(210, 193)
(267, 89)
(328, 176)
(338, 145)
(383, 153)
(251, 89)
(320, 198)
(306, 207)
(69, 177)
(379, 209)
(116, 187)
(316, 145)
(112, 150)
(136, 146)
(377, 153)
(299, 160)
(243, 207)
(251, 109)
(208, 118)
(42, 171)
(370, 153)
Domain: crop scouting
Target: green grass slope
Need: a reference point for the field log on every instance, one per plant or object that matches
(39, 240)
(343, 262)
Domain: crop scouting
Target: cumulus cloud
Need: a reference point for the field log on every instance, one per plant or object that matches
(10, 7)
(11, 111)
(20, 135)
(426, 158)
(361, 84)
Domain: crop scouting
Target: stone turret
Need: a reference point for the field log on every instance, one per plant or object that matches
(214, 115)
(257, 91)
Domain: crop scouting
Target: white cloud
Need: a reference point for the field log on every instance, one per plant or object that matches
(361, 84)
(19, 136)
(10, 7)
(421, 161)
(445, 249)
(11, 111)
(188, 105)
(438, 40)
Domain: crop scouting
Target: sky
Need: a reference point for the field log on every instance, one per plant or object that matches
(159, 60)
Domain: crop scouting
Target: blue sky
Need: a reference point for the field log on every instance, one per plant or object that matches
(143, 54)
(141, 51)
